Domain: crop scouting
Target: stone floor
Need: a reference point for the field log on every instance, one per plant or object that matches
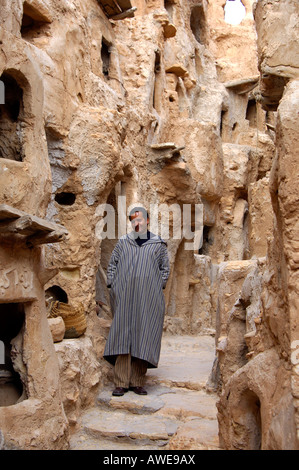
(178, 413)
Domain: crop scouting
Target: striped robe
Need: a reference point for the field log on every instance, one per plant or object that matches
(137, 275)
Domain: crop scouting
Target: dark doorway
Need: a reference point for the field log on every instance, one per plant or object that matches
(12, 317)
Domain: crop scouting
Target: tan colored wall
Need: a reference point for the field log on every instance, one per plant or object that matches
(258, 352)
(191, 82)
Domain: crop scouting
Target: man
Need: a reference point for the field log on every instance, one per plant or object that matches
(138, 271)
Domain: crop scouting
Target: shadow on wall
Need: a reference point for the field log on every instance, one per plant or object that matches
(11, 120)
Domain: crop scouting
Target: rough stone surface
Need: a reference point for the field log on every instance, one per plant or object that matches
(178, 413)
(57, 328)
(262, 325)
(173, 106)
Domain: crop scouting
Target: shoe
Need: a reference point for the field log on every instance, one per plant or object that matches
(139, 390)
(119, 391)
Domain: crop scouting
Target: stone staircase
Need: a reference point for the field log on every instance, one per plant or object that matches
(179, 413)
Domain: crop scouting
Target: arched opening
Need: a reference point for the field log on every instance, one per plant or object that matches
(12, 317)
(179, 317)
(246, 234)
(55, 293)
(198, 24)
(65, 198)
(223, 124)
(108, 230)
(106, 57)
(250, 421)
(33, 22)
(181, 94)
(158, 85)
(251, 113)
(11, 120)
(207, 241)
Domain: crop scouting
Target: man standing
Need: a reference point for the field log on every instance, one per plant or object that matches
(138, 271)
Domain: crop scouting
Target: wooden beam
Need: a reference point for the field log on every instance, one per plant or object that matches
(125, 14)
(8, 212)
(43, 238)
(21, 225)
(116, 5)
(117, 9)
(124, 4)
(16, 222)
(243, 86)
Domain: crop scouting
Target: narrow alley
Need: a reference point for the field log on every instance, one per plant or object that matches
(179, 411)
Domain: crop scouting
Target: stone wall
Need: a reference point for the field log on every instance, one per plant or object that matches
(31, 413)
(172, 107)
(257, 353)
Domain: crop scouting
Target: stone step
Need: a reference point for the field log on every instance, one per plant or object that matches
(104, 430)
(168, 418)
(185, 362)
(127, 427)
(136, 404)
(83, 441)
(165, 401)
(177, 413)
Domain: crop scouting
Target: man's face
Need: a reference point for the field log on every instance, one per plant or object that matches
(139, 223)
